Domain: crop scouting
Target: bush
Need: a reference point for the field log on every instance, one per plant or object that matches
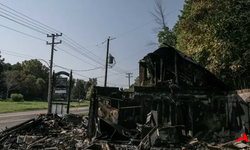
(16, 97)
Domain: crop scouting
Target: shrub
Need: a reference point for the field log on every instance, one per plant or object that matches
(16, 97)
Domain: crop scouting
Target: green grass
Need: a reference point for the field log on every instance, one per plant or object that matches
(7, 107)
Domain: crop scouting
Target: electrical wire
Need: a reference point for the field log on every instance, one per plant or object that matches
(99, 56)
(99, 62)
(98, 80)
(30, 24)
(22, 33)
(15, 53)
(22, 24)
(32, 57)
(93, 56)
(83, 54)
(33, 27)
(80, 47)
(133, 29)
(133, 55)
(58, 48)
(78, 70)
(29, 18)
(118, 73)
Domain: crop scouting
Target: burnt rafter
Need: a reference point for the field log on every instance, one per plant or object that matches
(179, 68)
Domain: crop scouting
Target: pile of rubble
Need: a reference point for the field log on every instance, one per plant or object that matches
(152, 136)
(49, 132)
(52, 132)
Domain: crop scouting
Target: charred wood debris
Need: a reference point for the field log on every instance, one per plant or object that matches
(178, 105)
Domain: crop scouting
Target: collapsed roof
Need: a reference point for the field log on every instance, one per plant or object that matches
(181, 69)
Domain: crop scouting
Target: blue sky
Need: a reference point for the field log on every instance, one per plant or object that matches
(89, 23)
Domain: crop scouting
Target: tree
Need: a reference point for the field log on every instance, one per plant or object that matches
(1, 71)
(36, 68)
(89, 86)
(216, 34)
(79, 90)
(1, 63)
(7, 66)
(41, 85)
(165, 34)
(10, 79)
(17, 66)
(136, 83)
(30, 86)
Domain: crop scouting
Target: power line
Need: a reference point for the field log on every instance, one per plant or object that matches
(75, 56)
(133, 29)
(22, 33)
(22, 24)
(78, 70)
(24, 21)
(97, 80)
(29, 17)
(15, 53)
(32, 57)
(117, 73)
(99, 56)
(85, 55)
(132, 55)
(94, 57)
(80, 46)
(27, 20)
(70, 40)
(90, 58)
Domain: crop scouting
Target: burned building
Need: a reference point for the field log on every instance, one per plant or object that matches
(176, 98)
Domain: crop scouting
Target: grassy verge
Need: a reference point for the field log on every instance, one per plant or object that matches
(7, 107)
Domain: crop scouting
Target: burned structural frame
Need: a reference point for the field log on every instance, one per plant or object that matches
(182, 93)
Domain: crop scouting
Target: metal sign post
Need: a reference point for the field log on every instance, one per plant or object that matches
(61, 92)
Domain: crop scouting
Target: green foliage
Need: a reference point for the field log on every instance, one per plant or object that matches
(17, 97)
(17, 66)
(90, 85)
(167, 36)
(216, 34)
(10, 80)
(36, 68)
(29, 78)
(79, 91)
(29, 84)
(41, 85)
(136, 83)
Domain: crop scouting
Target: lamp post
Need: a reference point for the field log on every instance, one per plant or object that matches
(44, 61)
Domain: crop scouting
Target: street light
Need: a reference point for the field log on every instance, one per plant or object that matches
(44, 61)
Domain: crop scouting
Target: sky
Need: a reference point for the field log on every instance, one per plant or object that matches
(85, 25)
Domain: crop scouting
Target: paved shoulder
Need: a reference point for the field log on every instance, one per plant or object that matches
(11, 119)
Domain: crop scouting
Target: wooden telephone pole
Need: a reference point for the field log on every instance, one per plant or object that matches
(50, 70)
(129, 76)
(106, 65)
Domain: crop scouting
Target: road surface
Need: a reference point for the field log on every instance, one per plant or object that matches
(12, 119)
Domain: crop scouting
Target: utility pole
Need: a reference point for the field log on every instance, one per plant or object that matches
(106, 65)
(129, 76)
(50, 69)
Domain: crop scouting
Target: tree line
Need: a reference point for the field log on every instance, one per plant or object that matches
(30, 78)
(215, 33)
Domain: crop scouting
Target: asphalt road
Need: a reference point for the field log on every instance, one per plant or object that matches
(12, 119)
